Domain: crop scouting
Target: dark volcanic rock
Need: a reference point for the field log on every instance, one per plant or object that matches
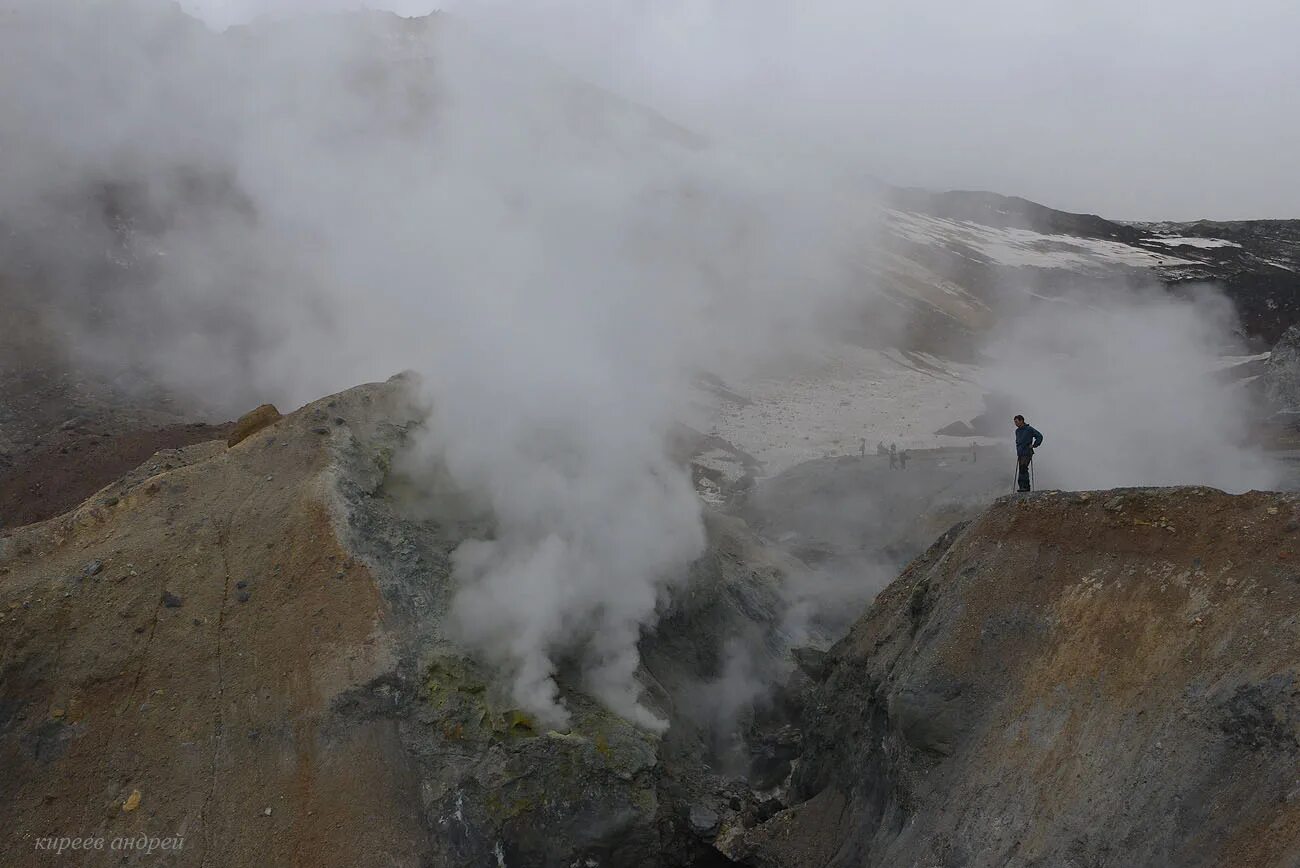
(957, 429)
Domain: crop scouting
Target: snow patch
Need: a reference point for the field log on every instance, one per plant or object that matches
(1024, 247)
(849, 394)
(1191, 241)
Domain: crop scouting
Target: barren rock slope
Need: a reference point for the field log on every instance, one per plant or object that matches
(243, 647)
(1071, 680)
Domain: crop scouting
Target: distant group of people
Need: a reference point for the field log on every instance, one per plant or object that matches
(897, 458)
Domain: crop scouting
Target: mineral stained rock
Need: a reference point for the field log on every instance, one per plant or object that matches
(252, 422)
(332, 694)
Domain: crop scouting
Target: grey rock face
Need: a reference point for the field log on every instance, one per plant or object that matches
(1281, 377)
(497, 786)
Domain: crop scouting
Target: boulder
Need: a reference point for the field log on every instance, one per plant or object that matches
(252, 422)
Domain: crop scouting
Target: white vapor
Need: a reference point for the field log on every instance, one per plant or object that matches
(287, 209)
(1122, 385)
(295, 207)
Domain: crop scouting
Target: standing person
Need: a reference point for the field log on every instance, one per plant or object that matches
(893, 456)
(972, 452)
(1028, 439)
(902, 458)
(862, 448)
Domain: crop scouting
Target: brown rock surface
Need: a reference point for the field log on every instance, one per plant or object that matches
(51, 479)
(213, 708)
(252, 640)
(1104, 679)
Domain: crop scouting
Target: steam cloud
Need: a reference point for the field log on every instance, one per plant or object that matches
(247, 225)
(1123, 384)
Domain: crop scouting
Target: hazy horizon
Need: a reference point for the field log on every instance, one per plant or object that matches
(1163, 112)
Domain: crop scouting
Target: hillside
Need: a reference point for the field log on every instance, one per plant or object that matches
(1099, 678)
(246, 647)
(1001, 252)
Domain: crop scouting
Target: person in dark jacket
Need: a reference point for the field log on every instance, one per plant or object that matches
(1028, 438)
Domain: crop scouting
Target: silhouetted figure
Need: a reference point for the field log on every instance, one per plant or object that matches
(902, 458)
(972, 452)
(893, 456)
(1028, 439)
(862, 448)
(880, 448)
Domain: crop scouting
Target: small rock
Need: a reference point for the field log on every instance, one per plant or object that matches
(243, 596)
(320, 429)
(93, 568)
(266, 812)
(1115, 504)
(170, 600)
(703, 820)
(241, 585)
(132, 801)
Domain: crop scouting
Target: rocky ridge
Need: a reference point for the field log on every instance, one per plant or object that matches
(251, 639)
(1104, 678)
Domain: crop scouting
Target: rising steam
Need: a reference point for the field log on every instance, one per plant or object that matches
(287, 209)
(1123, 381)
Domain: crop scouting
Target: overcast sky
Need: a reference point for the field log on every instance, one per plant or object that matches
(1173, 109)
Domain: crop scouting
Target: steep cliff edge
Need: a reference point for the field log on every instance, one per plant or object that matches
(1097, 679)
